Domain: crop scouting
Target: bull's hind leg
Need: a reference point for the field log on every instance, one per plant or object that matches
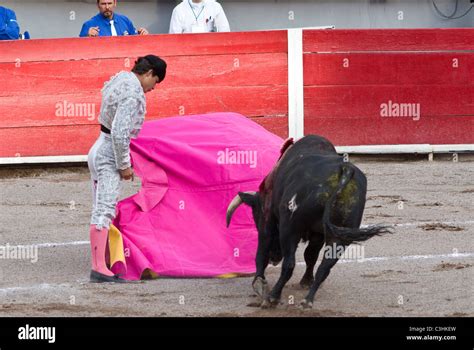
(332, 253)
(311, 254)
(289, 243)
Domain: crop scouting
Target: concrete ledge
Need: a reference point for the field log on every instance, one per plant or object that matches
(405, 149)
(375, 149)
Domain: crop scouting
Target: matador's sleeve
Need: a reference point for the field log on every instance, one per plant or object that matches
(121, 130)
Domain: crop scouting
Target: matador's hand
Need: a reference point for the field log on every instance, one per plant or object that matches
(127, 174)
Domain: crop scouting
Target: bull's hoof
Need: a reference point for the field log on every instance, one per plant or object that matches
(265, 304)
(270, 303)
(306, 283)
(274, 301)
(306, 305)
(254, 304)
(260, 286)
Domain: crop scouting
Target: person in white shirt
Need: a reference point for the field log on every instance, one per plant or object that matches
(198, 16)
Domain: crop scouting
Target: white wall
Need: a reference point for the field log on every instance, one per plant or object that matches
(252, 15)
(52, 18)
(61, 18)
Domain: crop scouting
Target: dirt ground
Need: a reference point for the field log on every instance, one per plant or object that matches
(426, 268)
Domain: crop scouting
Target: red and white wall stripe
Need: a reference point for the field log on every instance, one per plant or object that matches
(365, 90)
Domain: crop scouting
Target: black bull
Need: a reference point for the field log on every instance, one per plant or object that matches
(313, 196)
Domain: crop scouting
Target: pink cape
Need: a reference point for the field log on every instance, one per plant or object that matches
(191, 168)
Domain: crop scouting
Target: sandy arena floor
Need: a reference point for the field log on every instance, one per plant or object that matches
(426, 268)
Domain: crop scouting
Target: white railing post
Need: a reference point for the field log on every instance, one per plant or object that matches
(295, 84)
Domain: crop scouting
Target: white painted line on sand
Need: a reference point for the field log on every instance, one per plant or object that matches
(410, 224)
(45, 286)
(63, 244)
(405, 257)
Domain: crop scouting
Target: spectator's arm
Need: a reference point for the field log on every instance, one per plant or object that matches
(222, 23)
(85, 30)
(175, 24)
(131, 28)
(11, 29)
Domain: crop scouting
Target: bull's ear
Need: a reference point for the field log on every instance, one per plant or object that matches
(250, 199)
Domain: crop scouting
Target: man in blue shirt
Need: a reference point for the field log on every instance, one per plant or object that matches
(108, 23)
(9, 29)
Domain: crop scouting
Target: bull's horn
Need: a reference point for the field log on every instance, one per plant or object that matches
(236, 202)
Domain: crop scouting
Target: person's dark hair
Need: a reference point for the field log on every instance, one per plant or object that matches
(144, 64)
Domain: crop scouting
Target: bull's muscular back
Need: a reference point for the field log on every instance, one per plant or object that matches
(313, 144)
(310, 172)
(307, 146)
(310, 161)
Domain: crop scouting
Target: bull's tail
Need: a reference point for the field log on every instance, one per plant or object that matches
(345, 234)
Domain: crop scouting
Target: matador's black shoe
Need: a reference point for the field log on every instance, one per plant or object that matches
(97, 277)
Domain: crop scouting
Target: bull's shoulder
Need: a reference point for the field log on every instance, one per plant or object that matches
(310, 155)
(314, 144)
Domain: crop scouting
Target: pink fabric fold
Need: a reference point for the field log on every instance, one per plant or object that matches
(154, 179)
(191, 168)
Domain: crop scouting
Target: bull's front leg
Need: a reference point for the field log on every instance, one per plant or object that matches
(288, 247)
(260, 284)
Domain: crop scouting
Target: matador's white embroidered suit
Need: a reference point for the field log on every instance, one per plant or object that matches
(122, 111)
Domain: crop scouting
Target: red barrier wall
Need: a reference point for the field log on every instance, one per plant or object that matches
(350, 77)
(234, 72)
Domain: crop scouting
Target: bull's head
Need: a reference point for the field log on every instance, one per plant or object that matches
(260, 217)
(253, 200)
(260, 202)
